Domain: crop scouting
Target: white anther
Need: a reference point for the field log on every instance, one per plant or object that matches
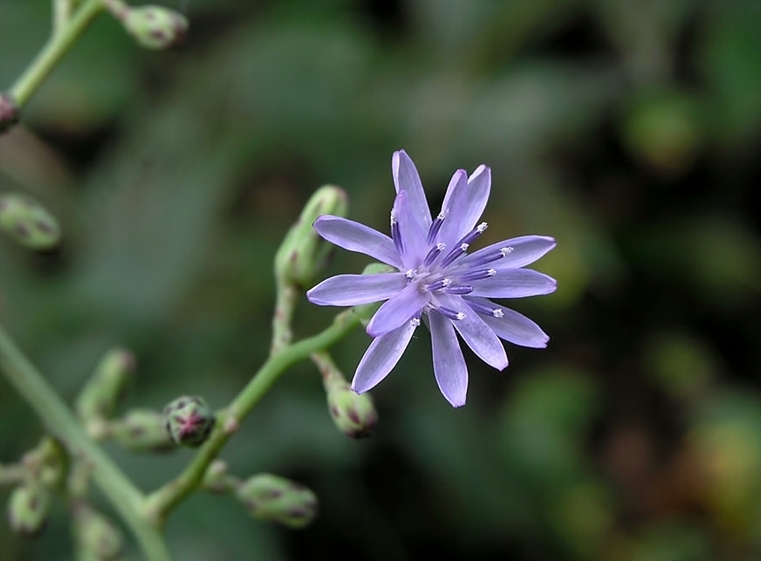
(393, 217)
(447, 282)
(482, 227)
(415, 322)
(464, 246)
(460, 316)
(441, 246)
(497, 313)
(442, 215)
(491, 272)
(506, 251)
(410, 274)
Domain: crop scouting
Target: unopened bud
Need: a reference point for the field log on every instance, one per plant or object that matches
(218, 480)
(96, 535)
(155, 27)
(99, 397)
(27, 222)
(142, 430)
(8, 112)
(189, 420)
(273, 498)
(303, 252)
(353, 414)
(367, 311)
(28, 509)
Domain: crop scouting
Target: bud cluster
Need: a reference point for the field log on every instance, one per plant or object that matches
(96, 535)
(302, 253)
(276, 499)
(30, 502)
(189, 421)
(26, 221)
(353, 414)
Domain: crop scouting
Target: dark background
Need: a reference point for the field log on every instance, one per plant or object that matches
(628, 130)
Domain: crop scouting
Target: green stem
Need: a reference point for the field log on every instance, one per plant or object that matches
(59, 420)
(285, 305)
(57, 46)
(161, 502)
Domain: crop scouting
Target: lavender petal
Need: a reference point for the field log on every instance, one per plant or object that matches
(406, 178)
(448, 362)
(512, 326)
(354, 290)
(358, 237)
(402, 307)
(514, 283)
(451, 208)
(412, 236)
(474, 331)
(520, 251)
(381, 357)
(467, 204)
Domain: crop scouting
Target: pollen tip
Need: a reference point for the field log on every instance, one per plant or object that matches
(482, 227)
(497, 313)
(492, 272)
(465, 246)
(460, 316)
(415, 322)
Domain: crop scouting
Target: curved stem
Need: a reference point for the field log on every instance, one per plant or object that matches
(58, 45)
(60, 421)
(162, 501)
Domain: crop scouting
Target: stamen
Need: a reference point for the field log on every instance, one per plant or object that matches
(433, 254)
(396, 234)
(450, 313)
(415, 322)
(454, 254)
(486, 309)
(410, 274)
(477, 275)
(491, 256)
(438, 285)
(433, 231)
(474, 233)
(460, 289)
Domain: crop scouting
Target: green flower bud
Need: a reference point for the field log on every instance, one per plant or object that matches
(189, 420)
(303, 252)
(218, 480)
(273, 498)
(27, 222)
(142, 430)
(155, 27)
(28, 509)
(353, 414)
(367, 311)
(99, 397)
(96, 535)
(8, 112)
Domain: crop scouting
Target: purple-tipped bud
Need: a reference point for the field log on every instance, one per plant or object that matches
(155, 27)
(189, 420)
(273, 498)
(303, 253)
(96, 535)
(99, 397)
(8, 112)
(353, 414)
(24, 219)
(142, 430)
(28, 509)
(218, 480)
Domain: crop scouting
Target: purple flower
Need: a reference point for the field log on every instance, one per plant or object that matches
(437, 279)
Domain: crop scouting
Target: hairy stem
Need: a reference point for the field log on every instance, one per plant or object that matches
(60, 421)
(58, 45)
(161, 502)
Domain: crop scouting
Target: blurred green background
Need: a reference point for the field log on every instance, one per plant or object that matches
(630, 130)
